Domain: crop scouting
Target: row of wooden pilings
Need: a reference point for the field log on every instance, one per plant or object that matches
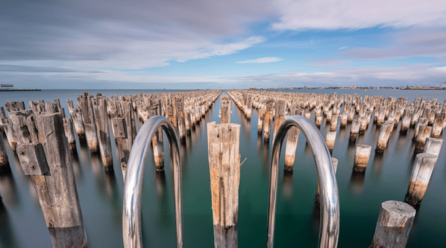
(43, 137)
(427, 118)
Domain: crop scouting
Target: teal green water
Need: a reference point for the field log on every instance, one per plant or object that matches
(100, 194)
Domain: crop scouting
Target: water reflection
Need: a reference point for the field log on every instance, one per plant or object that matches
(7, 236)
(77, 169)
(357, 182)
(288, 185)
(8, 189)
(378, 161)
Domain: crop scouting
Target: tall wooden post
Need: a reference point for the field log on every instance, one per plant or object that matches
(69, 133)
(225, 111)
(268, 120)
(420, 177)
(423, 133)
(224, 167)
(50, 166)
(180, 117)
(4, 161)
(103, 133)
(76, 116)
(384, 135)
(89, 121)
(362, 157)
(394, 224)
(355, 129)
(330, 140)
(280, 115)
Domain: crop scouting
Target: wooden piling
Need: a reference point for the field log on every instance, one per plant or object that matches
(330, 140)
(354, 130)
(268, 120)
(84, 102)
(437, 127)
(419, 180)
(69, 133)
(384, 135)
(279, 117)
(394, 224)
(362, 156)
(103, 133)
(122, 131)
(423, 133)
(224, 166)
(50, 166)
(334, 122)
(4, 161)
(76, 116)
(291, 145)
(225, 111)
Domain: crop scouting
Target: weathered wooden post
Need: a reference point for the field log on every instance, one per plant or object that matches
(384, 135)
(290, 150)
(69, 133)
(157, 143)
(179, 103)
(9, 131)
(344, 118)
(280, 115)
(421, 122)
(4, 162)
(334, 122)
(433, 146)
(419, 180)
(76, 116)
(50, 166)
(103, 133)
(423, 133)
(224, 167)
(355, 130)
(261, 119)
(362, 157)
(405, 123)
(438, 124)
(394, 224)
(187, 120)
(84, 101)
(225, 111)
(330, 140)
(2, 116)
(318, 121)
(248, 106)
(122, 131)
(268, 120)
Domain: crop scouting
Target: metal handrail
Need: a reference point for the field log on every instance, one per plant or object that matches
(131, 211)
(329, 223)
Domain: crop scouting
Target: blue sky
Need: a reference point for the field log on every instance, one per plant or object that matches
(190, 44)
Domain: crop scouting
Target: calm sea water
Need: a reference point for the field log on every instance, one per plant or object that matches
(100, 194)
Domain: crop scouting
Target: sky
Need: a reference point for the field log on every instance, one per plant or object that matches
(207, 44)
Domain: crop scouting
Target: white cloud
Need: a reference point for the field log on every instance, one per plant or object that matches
(354, 14)
(260, 60)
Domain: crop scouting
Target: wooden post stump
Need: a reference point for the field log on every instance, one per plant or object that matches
(318, 121)
(334, 122)
(394, 224)
(355, 130)
(280, 115)
(268, 120)
(84, 101)
(103, 133)
(4, 161)
(291, 145)
(330, 140)
(362, 157)
(423, 133)
(225, 111)
(224, 166)
(76, 116)
(384, 135)
(69, 133)
(419, 180)
(50, 166)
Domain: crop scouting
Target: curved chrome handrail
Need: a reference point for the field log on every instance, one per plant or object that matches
(131, 210)
(329, 224)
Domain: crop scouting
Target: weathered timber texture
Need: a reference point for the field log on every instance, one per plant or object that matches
(224, 167)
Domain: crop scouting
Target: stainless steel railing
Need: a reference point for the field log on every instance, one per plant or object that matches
(131, 211)
(329, 224)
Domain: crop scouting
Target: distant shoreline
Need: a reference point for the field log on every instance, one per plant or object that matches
(20, 89)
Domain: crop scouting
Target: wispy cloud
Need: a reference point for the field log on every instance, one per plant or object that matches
(352, 14)
(260, 60)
